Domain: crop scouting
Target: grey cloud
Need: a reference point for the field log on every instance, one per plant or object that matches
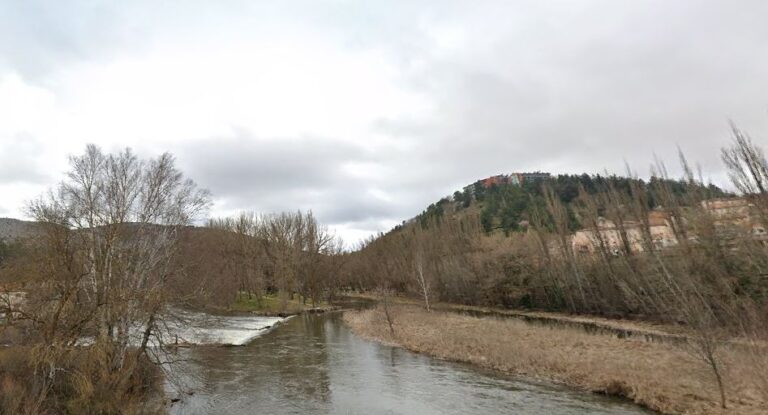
(559, 86)
(38, 36)
(18, 160)
(585, 92)
(354, 205)
(245, 162)
(269, 175)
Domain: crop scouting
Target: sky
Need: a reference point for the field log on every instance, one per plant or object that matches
(367, 111)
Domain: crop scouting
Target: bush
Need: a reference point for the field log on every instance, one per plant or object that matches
(81, 385)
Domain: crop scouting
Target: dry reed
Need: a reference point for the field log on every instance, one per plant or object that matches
(658, 376)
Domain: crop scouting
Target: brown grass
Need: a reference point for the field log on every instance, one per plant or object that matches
(81, 386)
(658, 376)
(636, 325)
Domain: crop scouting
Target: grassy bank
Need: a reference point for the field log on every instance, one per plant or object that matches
(274, 305)
(659, 376)
(638, 326)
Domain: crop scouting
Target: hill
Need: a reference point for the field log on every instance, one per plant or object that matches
(12, 229)
(505, 202)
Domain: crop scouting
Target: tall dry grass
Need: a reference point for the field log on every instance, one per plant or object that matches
(83, 384)
(658, 376)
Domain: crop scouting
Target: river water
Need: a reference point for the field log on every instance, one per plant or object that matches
(313, 364)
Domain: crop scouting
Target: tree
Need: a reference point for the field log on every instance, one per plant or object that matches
(421, 279)
(110, 233)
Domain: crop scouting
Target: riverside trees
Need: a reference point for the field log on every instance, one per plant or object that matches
(96, 278)
(706, 273)
(106, 264)
(285, 253)
(625, 271)
(113, 251)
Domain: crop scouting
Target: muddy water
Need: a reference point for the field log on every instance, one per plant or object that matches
(313, 364)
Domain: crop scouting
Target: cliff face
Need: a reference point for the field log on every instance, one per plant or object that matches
(11, 229)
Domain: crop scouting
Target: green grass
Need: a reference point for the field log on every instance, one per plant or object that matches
(272, 303)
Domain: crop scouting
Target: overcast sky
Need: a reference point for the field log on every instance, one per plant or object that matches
(367, 111)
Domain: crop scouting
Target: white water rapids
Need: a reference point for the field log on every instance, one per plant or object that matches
(205, 329)
(184, 327)
(179, 326)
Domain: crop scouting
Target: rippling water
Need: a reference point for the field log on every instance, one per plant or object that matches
(315, 365)
(206, 329)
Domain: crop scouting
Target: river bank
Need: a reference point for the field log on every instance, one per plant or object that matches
(621, 327)
(658, 376)
(313, 364)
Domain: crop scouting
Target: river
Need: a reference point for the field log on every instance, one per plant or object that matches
(313, 364)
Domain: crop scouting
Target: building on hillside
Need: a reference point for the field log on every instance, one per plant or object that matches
(514, 178)
(659, 227)
(736, 211)
(734, 215)
(520, 178)
(496, 180)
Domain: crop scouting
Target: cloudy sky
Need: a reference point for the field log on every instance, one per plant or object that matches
(367, 111)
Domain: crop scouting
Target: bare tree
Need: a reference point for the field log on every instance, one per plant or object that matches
(111, 229)
(420, 279)
(385, 295)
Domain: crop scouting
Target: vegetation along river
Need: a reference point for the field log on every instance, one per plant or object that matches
(313, 364)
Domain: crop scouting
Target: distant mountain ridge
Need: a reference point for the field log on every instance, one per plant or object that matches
(11, 229)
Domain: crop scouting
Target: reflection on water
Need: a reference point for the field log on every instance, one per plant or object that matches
(315, 365)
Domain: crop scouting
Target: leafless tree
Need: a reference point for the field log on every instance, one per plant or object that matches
(385, 298)
(111, 229)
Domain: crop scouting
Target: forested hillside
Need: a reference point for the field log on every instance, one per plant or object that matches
(511, 245)
(506, 207)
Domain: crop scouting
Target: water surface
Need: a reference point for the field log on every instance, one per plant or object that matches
(313, 364)
(204, 329)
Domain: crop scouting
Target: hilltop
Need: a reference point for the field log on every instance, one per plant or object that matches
(11, 229)
(504, 202)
